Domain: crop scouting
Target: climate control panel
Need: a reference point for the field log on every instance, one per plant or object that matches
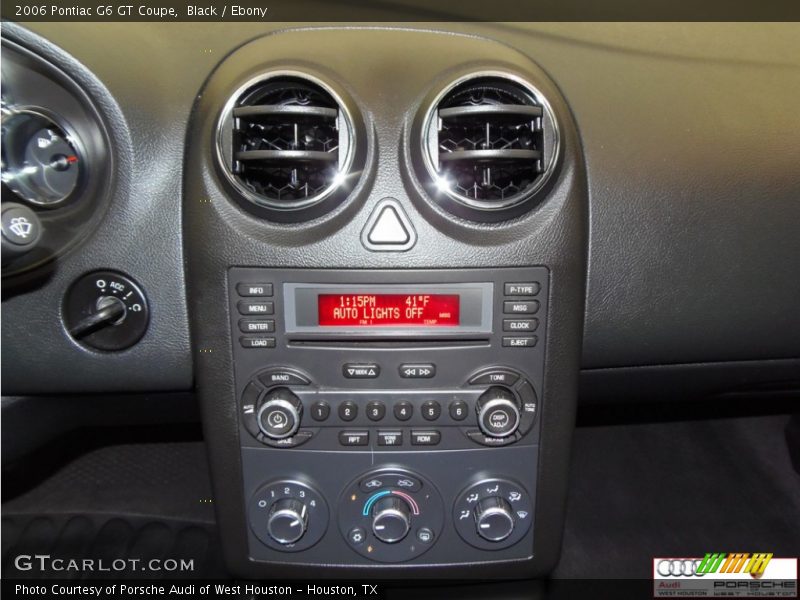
(403, 427)
(391, 515)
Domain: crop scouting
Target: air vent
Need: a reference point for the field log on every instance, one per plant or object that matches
(490, 143)
(286, 143)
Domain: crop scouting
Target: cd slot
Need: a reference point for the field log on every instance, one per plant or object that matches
(440, 344)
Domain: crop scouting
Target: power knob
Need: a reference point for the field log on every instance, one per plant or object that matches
(279, 414)
(494, 519)
(287, 521)
(391, 519)
(498, 412)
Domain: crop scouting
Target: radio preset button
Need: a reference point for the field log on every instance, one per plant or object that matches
(425, 438)
(417, 371)
(376, 411)
(403, 411)
(521, 289)
(521, 307)
(361, 371)
(354, 438)
(248, 307)
(256, 325)
(458, 410)
(431, 410)
(522, 341)
(320, 411)
(249, 341)
(254, 289)
(348, 411)
(520, 324)
(390, 438)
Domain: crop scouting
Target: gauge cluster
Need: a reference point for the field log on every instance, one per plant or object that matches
(41, 162)
(55, 162)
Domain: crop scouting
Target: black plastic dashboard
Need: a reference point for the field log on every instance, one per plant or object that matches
(662, 236)
(690, 154)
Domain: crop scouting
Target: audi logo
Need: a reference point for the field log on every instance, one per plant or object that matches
(679, 567)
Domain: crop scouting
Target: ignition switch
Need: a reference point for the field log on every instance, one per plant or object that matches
(106, 310)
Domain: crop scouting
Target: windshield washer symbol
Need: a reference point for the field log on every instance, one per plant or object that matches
(21, 226)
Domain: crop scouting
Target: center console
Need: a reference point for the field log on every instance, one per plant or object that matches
(385, 405)
(386, 275)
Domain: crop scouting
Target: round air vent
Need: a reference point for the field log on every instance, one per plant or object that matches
(286, 143)
(489, 145)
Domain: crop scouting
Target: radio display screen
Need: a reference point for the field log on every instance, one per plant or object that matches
(375, 310)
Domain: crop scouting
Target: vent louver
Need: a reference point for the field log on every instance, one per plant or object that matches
(285, 143)
(490, 143)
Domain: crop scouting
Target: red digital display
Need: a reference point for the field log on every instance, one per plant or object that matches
(405, 310)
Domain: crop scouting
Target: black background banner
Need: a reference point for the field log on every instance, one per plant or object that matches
(322, 11)
(203, 589)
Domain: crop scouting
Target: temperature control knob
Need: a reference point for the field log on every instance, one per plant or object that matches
(287, 521)
(498, 412)
(391, 519)
(494, 519)
(279, 414)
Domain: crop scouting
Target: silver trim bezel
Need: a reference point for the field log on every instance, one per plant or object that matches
(429, 135)
(347, 142)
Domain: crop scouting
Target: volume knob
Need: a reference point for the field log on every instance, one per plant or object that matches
(280, 413)
(287, 521)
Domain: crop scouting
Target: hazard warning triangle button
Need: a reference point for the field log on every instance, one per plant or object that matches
(388, 228)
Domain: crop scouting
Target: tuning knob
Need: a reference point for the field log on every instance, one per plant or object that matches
(498, 413)
(494, 519)
(287, 521)
(391, 519)
(279, 414)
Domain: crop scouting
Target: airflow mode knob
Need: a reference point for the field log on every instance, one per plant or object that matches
(494, 519)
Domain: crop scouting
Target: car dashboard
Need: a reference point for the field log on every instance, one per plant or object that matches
(386, 266)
